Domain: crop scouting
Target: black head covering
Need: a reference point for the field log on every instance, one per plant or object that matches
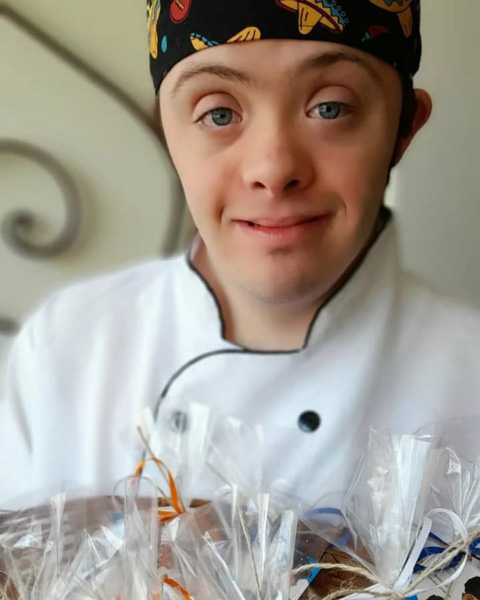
(388, 29)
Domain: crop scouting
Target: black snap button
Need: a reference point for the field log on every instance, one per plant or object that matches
(309, 421)
(178, 421)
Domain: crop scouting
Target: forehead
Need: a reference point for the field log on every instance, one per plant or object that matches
(260, 61)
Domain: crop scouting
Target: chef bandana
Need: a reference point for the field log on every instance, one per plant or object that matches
(388, 29)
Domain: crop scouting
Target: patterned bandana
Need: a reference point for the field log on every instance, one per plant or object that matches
(388, 29)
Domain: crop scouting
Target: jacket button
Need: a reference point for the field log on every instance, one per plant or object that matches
(309, 421)
(178, 421)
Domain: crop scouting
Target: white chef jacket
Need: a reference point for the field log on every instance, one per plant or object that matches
(386, 351)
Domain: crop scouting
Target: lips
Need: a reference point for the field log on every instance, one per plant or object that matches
(288, 232)
(280, 223)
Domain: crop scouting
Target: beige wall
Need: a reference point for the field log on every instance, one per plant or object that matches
(124, 179)
(127, 191)
(438, 184)
(109, 34)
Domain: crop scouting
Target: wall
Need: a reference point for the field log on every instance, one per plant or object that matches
(128, 193)
(109, 34)
(438, 185)
(125, 183)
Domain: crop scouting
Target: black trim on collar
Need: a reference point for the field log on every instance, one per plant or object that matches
(382, 221)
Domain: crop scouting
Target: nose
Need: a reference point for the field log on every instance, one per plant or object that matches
(277, 162)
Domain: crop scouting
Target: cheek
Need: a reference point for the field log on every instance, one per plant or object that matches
(206, 171)
(358, 169)
(208, 181)
(206, 184)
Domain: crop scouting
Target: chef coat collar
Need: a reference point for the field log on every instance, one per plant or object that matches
(378, 264)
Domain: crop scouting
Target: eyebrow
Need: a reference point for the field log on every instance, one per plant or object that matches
(327, 59)
(221, 71)
(312, 63)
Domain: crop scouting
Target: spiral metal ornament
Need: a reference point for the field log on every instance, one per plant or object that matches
(169, 244)
(19, 224)
(7, 327)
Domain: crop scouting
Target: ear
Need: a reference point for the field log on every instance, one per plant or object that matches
(422, 115)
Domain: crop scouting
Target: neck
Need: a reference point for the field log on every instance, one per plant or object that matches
(253, 323)
(267, 327)
(257, 325)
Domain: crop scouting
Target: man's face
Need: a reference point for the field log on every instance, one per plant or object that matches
(283, 148)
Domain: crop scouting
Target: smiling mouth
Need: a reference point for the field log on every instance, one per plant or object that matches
(280, 225)
(283, 232)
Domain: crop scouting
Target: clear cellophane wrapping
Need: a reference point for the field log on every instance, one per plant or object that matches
(249, 540)
(456, 480)
(243, 544)
(374, 525)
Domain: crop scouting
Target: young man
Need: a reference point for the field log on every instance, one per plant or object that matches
(283, 119)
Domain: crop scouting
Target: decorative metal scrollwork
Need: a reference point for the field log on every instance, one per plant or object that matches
(7, 326)
(19, 224)
(170, 241)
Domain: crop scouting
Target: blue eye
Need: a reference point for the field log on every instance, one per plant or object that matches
(329, 110)
(221, 116)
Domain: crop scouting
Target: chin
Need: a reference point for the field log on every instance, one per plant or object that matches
(283, 290)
